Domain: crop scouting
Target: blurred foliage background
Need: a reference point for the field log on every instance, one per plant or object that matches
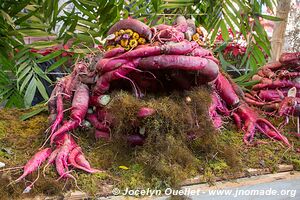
(87, 21)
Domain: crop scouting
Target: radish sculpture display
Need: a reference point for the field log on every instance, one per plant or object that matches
(148, 60)
(277, 92)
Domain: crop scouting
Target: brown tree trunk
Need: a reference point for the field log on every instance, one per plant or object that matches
(277, 41)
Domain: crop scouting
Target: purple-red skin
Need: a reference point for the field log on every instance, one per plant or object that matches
(204, 66)
(213, 59)
(181, 24)
(52, 105)
(266, 72)
(289, 57)
(172, 35)
(216, 108)
(114, 52)
(178, 48)
(251, 95)
(212, 111)
(72, 156)
(69, 83)
(133, 24)
(61, 163)
(216, 119)
(33, 164)
(52, 156)
(72, 160)
(104, 116)
(183, 81)
(103, 83)
(92, 118)
(135, 140)
(273, 95)
(102, 134)
(60, 113)
(226, 91)
(289, 106)
(81, 160)
(256, 77)
(258, 103)
(275, 84)
(287, 74)
(94, 100)
(68, 126)
(201, 52)
(273, 66)
(110, 64)
(80, 105)
(163, 27)
(237, 120)
(145, 112)
(252, 122)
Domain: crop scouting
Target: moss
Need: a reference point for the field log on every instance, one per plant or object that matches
(296, 163)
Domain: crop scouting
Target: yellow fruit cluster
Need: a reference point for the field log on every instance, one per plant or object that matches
(199, 37)
(127, 39)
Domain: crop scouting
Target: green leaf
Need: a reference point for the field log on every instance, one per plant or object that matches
(57, 64)
(262, 44)
(155, 4)
(24, 73)
(259, 55)
(228, 21)
(84, 10)
(214, 33)
(249, 83)
(30, 92)
(23, 59)
(34, 25)
(85, 29)
(32, 32)
(25, 82)
(49, 56)
(220, 47)
(14, 100)
(32, 113)
(43, 44)
(8, 18)
(270, 17)
(22, 51)
(88, 23)
(40, 72)
(180, 1)
(23, 65)
(42, 89)
(224, 31)
(82, 51)
(174, 5)
(88, 2)
(5, 62)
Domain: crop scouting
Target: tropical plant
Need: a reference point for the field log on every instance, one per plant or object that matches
(86, 23)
